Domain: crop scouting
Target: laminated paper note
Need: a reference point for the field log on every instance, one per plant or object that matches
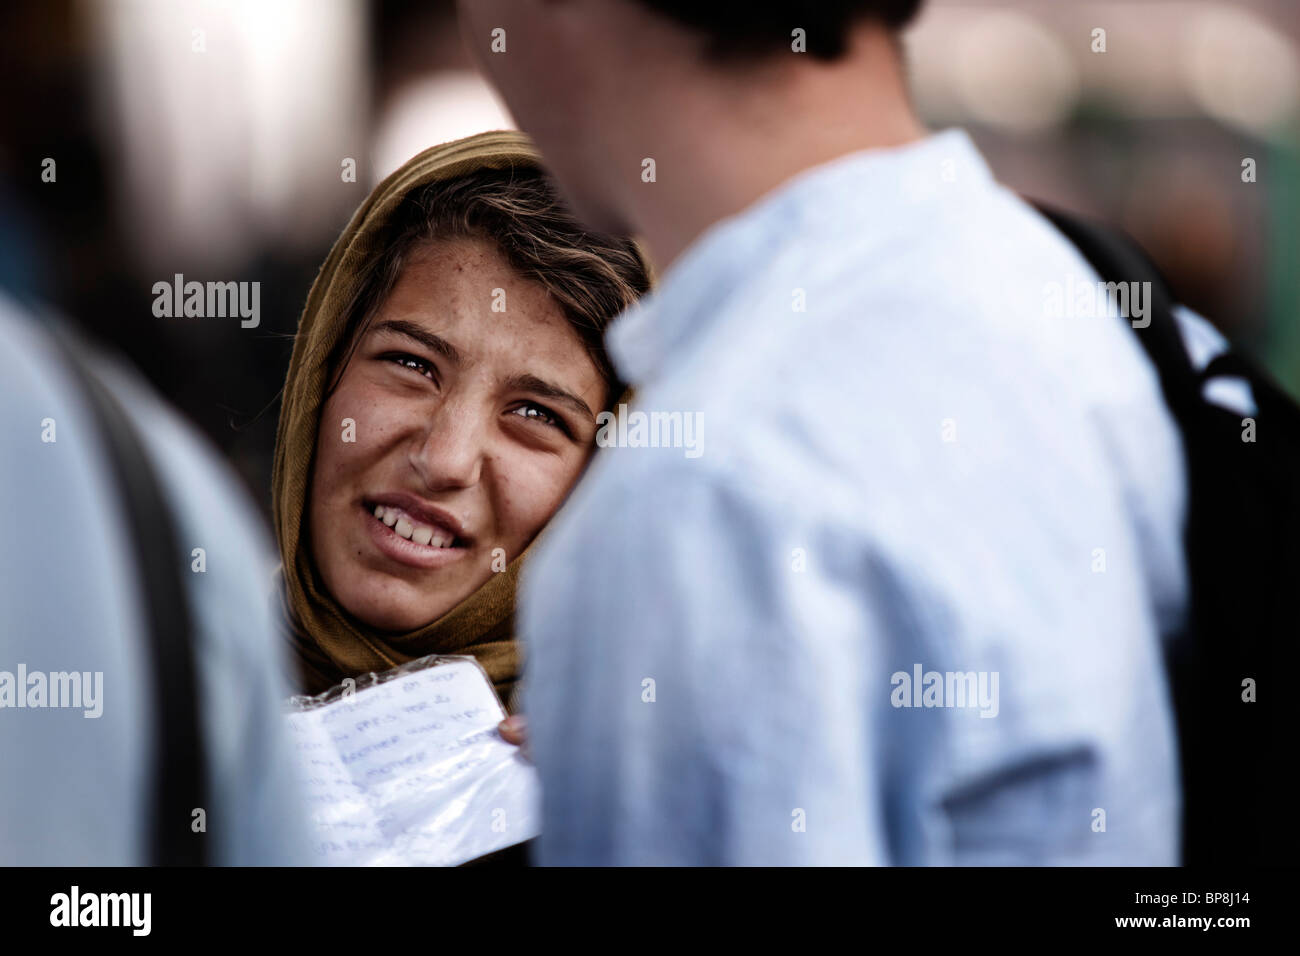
(407, 769)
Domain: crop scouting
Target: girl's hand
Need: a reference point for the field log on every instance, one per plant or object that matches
(514, 730)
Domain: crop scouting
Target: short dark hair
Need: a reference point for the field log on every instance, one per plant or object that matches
(593, 277)
(739, 29)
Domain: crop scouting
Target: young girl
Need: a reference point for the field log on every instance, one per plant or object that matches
(440, 404)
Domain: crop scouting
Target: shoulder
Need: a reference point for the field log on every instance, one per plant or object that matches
(67, 520)
(227, 554)
(228, 565)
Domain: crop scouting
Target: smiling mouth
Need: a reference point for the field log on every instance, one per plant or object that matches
(405, 525)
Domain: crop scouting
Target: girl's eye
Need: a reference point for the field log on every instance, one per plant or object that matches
(410, 361)
(536, 413)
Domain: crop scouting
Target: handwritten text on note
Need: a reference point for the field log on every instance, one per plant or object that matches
(412, 771)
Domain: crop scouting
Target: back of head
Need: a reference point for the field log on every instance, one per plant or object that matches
(739, 29)
(642, 106)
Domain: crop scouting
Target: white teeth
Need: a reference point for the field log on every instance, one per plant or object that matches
(419, 533)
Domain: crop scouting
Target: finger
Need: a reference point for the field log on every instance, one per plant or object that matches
(514, 729)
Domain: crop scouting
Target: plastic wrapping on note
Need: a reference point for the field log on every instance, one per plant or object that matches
(406, 768)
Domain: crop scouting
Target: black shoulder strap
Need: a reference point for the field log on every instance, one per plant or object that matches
(1240, 537)
(1116, 258)
(179, 753)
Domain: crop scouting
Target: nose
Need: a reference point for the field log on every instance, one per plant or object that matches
(450, 454)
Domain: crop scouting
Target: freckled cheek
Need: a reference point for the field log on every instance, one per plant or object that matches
(358, 435)
(525, 497)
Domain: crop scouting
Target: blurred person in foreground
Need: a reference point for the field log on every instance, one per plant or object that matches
(87, 781)
(908, 605)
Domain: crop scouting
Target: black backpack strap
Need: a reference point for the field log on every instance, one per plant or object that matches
(1117, 258)
(1242, 541)
(179, 772)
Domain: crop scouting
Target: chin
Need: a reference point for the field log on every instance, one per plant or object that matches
(399, 621)
(379, 607)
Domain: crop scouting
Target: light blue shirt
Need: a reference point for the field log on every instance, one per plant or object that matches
(920, 454)
(78, 782)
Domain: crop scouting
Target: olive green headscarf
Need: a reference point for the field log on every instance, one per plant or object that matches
(329, 644)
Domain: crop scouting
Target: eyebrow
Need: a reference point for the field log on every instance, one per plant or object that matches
(432, 342)
(545, 389)
(524, 383)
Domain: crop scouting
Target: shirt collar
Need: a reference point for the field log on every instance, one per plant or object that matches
(871, 190)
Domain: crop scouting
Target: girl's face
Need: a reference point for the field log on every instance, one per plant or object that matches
(453, 435)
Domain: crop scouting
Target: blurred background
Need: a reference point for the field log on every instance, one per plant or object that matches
(213, 139)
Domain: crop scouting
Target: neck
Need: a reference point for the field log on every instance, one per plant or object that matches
(724, 136)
